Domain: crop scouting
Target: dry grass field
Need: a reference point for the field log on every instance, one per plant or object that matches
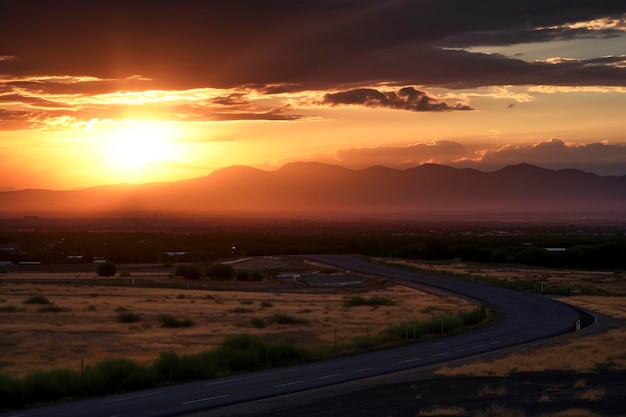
(95, 322)
(601, 280)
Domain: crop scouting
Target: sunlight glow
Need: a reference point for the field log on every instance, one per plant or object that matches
(135, 145)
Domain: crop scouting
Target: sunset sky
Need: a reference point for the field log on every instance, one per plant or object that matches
(101, 92)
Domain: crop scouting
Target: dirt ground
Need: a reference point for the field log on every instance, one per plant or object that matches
(542, 394)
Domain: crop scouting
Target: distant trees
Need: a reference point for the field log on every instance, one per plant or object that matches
(106, 269)
(243, 275)
(189, 271)
(221, 272)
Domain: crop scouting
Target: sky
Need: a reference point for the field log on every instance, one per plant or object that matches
(103, 92)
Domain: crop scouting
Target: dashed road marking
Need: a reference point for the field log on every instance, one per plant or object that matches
(206, 399)
(223, 382)
(132, 397)
(287, 384)
(328, 376)
(410, 360)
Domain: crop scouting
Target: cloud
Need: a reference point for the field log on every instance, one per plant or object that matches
(601, 158)
(299, 45)
(532, 34)
(407, 98)
(15, 119)
(408, 156)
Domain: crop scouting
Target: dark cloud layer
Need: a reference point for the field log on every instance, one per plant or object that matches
(407, 98)
(306, 44)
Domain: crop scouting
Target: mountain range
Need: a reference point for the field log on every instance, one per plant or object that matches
(311, 188)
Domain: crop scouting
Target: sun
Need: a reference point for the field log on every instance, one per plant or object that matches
(135, 146)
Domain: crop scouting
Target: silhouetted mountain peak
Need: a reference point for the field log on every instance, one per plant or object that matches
(330, 190)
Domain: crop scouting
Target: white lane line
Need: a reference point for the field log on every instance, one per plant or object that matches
(438, 344)
(328, 376)
(410, 360)
(441, 354)
(495, 342)
(287, 383)
(361, 370)
(206, 399)
(511, 338)
(133, 397)
(224, 382)
(478, 346)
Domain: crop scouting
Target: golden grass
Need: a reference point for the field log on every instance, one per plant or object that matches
(90, 328)
(592, 394)
(579, 354)
(497, 410)
(573, 412)
(491, 390)
(610, 306)
(545, 398)
(604, 280)
(442, 411)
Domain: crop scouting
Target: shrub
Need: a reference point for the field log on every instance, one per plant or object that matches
(171, 367)
(258, 323)
(46, 386)
(118, 374)
(128, 317)
(10, 392)
(188, 271)
(372, 301)
(242, 352)
(282, 353)
(241, 310)
(242, 276)
(106, 269)
(283, 318)
(221, 271)
(266, 304)
(52, 309)
(37, 299)
(9, 309)
(167, 320)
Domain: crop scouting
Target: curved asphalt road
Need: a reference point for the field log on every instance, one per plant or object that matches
(523, 318)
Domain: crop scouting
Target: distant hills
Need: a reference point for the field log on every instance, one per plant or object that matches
(332, 191)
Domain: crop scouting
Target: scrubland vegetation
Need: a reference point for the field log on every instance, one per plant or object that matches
(130, 338)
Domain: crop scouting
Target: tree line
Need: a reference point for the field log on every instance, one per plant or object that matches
(577, 251)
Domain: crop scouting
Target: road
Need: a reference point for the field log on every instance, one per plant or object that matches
(523, 318)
